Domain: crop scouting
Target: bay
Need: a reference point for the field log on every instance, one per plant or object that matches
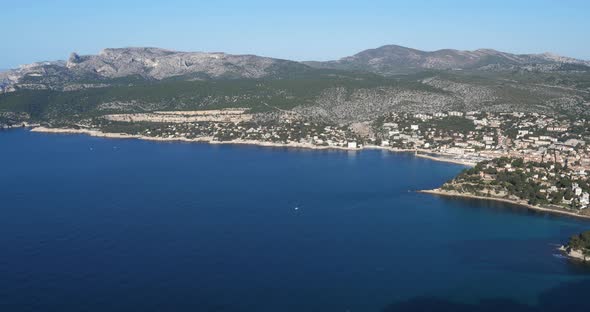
(93, 224)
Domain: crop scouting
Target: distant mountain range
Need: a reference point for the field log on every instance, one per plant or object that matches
(355, 88)
(393, 59)
(147, 63)
(159, 64)
(155, 63)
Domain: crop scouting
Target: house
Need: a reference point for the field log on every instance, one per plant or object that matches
(585, 199)
(480, 122)
(547, 138)
(557, 129)
(542, 143)
(522, 133)
(352, 144)
(495, 123)
(422, 116)
(455, 150)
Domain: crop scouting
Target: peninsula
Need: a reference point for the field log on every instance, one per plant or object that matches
(578, 247)
(545, 186)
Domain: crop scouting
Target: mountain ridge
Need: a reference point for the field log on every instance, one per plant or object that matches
(362, 87)
(395, 59)
(163, 63)
(153, 52)
(147, 63)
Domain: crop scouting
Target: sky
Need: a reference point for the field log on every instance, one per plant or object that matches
(38, 30)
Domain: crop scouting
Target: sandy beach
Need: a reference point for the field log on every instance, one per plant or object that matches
(509, 201)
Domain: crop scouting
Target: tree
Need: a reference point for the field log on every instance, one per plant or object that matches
(518, 163)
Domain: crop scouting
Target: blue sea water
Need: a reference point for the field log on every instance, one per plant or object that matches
(92, 224)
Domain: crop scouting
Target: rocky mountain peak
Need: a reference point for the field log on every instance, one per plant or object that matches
(149, 63)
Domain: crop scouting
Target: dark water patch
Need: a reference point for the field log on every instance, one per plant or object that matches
(564, 297)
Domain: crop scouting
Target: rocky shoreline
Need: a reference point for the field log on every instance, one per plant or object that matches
(572, 253)
(569, 252)
(504, 200)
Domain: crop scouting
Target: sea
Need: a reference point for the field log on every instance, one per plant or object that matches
(95, 224)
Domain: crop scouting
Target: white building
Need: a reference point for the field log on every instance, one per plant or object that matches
(522, 133)
(422, 116)
(482, 122)
(557, 129)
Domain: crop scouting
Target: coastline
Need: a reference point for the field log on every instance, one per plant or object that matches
(209, 140)
(571, 254)
(448, 160)
(574, 254)
(115, 135)
(504, 200)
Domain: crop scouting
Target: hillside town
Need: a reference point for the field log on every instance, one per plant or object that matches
(470, 137)
(543, 184)
(484, 136)
(531, 158)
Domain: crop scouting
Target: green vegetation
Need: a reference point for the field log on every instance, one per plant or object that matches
(581, 242)
(176, 94)
(480, 90)
(513, 177)
(454, 124)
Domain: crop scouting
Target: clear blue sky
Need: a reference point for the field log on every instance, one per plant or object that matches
(35, 30)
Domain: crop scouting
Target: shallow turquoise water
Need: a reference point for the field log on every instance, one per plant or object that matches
(90, 224)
